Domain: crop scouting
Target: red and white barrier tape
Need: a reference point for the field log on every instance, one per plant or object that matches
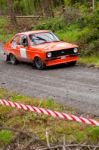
(48, 112)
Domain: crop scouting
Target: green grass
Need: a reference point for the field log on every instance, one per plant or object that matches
(5, 137)
(10, 117)
(94, 60)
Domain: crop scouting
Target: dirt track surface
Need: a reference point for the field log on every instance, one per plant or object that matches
(77, 87)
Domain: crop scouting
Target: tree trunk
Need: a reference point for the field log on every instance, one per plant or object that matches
(11, 12)
(63, 10)
(47, 5)
(93, 4)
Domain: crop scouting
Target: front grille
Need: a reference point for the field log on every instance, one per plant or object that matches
(62, 52)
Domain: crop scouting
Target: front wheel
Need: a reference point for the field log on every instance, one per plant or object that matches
(13, 60)
(7, 59)
(73, 63)
(39, 64)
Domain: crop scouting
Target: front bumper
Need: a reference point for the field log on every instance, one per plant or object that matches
(61, 60)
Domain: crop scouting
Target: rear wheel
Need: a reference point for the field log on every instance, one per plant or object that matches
(13, 60)
(39, 64)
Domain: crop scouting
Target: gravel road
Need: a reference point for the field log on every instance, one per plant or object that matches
(77, 87)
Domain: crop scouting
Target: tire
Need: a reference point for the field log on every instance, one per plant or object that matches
(13, 60)
(7, 58)
(39, 64)
(73, 63)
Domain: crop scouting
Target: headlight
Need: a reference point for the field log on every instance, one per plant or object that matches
(49, 54)
(75, 50)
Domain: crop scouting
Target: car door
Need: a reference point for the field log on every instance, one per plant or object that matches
(23, 48)
(14, 46)
(27, 52)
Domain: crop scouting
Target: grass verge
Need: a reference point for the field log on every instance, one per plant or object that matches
(74, 132)
(91, 61)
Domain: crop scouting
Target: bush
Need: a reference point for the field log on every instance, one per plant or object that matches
(53, 24)
(89, 42)
(93, 134)
(5, 137)
(89, 37)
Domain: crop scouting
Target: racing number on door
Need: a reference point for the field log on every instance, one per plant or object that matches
(24, 43)
(23, 53)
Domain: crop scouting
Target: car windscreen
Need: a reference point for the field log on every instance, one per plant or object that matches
(43, 37)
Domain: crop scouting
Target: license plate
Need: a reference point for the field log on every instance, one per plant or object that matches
(63, 57)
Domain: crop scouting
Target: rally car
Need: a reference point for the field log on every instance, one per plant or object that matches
(41, 48)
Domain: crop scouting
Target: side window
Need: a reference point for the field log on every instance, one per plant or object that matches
(15, 41)
(23, 41)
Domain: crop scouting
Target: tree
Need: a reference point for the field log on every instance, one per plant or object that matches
(11, 12)
(63, 10)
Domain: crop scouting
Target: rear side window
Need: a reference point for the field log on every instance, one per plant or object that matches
(15, 41)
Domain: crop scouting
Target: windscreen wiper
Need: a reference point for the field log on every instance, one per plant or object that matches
(40, 38)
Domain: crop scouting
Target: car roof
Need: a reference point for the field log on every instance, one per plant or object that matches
(32, 32)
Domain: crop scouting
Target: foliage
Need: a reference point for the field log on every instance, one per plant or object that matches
(93, 134)
(53, 24)
(92, 60)
(5, 137)
(89, 39)
(69, 34)
(25, 7)
(6, 32)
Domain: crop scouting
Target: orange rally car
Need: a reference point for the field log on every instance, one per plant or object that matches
(41, 48)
